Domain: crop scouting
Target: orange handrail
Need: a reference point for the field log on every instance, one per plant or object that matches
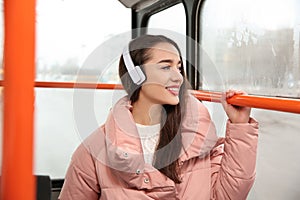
(269, 103)
(262, 102)
(17, 180)
(77, 85)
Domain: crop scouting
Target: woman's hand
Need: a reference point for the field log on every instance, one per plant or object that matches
(236, 114)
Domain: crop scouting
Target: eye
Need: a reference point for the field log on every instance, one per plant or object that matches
(179, 68)
(165, 68)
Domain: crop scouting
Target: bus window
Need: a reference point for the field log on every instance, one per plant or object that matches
(172, 20)
(254, 46)
(68, 31)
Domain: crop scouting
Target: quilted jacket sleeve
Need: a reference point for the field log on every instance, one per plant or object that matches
(233, 162)
(81, 181)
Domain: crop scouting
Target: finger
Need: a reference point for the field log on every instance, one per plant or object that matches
(240, 92)
(223, 99)
(230, 93)
(223, 96)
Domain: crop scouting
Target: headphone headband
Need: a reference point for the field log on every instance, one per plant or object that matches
(135, 72)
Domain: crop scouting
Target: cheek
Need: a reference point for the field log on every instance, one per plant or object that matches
(158, 94)
(157, 78)
(153, 88)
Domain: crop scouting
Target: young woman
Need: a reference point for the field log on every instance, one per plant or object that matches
(159, 142)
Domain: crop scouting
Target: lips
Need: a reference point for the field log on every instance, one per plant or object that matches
(173, 90)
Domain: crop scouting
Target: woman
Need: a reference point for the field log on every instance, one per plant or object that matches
(159, 142)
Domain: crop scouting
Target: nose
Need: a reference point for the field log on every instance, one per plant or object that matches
(176, 75)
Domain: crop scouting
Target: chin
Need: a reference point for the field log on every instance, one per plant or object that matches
(172, 102)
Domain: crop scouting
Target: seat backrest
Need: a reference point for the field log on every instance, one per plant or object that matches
(43, 187)
(56, 188)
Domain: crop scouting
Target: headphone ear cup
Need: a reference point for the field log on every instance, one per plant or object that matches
(135, 72)
(137, 75)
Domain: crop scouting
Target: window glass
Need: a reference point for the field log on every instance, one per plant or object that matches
(61, 125)
(172, 18)
(172, 23)
(252, 45)
(69, 30)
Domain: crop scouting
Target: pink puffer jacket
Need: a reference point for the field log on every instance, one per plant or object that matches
(109, 164)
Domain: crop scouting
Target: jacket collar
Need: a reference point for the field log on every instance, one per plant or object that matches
(124, 148)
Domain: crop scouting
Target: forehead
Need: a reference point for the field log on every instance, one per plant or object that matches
(164, 50)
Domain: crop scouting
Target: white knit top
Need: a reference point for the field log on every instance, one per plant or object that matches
(149, 136)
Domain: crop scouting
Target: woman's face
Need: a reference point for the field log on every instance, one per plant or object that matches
(163, 75)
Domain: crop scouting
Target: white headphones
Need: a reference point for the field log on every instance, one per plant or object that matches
(135, 72)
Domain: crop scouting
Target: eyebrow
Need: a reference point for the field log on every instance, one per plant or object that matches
(168, 61)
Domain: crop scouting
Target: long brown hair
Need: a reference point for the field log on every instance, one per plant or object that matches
(170, 144)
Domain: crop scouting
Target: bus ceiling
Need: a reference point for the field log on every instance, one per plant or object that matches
(138, 4)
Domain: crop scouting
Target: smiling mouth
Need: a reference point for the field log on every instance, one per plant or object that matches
(173, 90)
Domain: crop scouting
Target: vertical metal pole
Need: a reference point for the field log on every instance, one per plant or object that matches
(17, 177)
(191, 70)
